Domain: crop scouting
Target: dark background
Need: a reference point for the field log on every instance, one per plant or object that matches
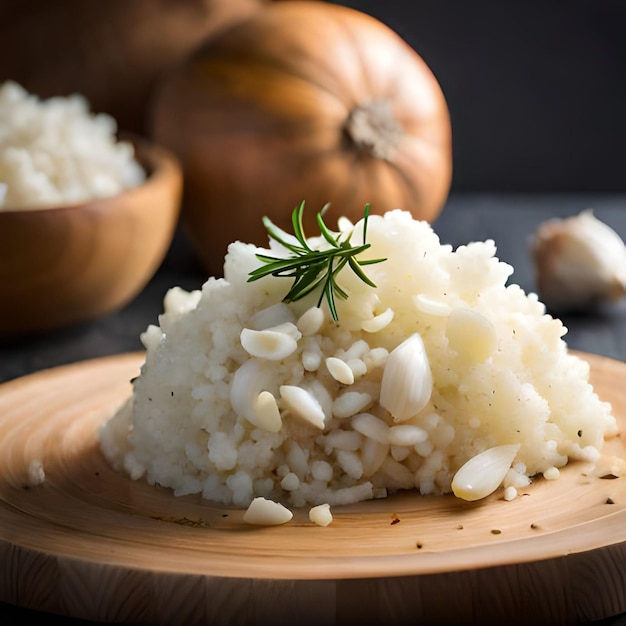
(536, 88)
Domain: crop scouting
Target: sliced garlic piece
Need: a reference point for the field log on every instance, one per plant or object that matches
(311, 321)
(303, 404)
(407, 382)
(484, 473)
(321, 515)
(471, 335)
(264, 512)
(288, 328)
(248, 382)
(371, 426)
(378, 322)
(266, 412)
(274, 344)
(271, 316)
(340, 370)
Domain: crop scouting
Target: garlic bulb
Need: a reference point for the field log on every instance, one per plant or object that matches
(579, 261)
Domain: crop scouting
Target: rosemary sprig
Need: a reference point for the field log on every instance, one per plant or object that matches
(313, 269)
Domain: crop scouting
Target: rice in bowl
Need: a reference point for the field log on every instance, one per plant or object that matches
(243, 396)
(55, 151)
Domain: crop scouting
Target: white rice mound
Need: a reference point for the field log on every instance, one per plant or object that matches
(56, 152)
(501, 374)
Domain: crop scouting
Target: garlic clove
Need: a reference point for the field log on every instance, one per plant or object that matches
(311, 321)
(273, 344)
(407, 382)
(484, 473)
(303, 404)
(378, 322)
(266, 412)
(321, 514)
(579, 261)
(271, 316)
(264, 512)
(340, 370)
(248, 383)
(371, 426)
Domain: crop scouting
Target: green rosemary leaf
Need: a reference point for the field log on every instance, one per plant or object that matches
(298, 228)
(312, 269)
(304, 285)
(365, 218)
(370, 261)
(326, 233)
(337, 290)
(356, 268)
(329, 292)
(281, 236)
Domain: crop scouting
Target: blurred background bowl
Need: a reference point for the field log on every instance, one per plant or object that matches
(65, 265)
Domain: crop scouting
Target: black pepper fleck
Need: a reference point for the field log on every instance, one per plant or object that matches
(610, 501)
(495, 531)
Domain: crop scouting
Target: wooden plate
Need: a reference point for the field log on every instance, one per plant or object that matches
(89, 543)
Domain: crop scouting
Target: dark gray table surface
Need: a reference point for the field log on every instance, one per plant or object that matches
(510, 220)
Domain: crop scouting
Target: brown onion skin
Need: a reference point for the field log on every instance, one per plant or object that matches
(258, 118)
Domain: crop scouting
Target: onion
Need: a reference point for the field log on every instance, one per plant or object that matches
(302, 101)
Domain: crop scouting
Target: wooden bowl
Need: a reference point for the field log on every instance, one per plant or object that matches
(69, 264)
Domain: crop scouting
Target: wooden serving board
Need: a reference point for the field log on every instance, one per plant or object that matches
(92, 544)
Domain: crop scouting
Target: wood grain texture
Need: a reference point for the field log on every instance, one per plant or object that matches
(90, 543)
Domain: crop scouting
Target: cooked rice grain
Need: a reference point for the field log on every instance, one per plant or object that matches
(501, 374)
